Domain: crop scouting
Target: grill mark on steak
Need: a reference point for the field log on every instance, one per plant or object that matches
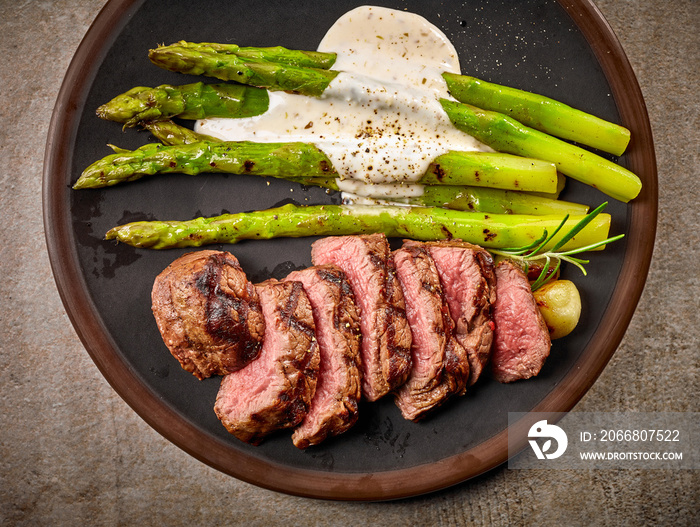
(385, 333)
(521, 340)
(335, 275)
(220, 306)
(469, 284)
(334, 407)
(274, 391)
(288, 310)
(397, 360)
(208, 313)
(440, 364)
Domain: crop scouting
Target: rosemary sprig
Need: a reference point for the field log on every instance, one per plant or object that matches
(535, 250)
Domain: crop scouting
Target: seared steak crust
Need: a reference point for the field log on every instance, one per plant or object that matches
(274, 391)
(334, 407)
(386, 336)
(440, 365)
(521, 340)
(395, 346)
(469, 284)
(208, 313)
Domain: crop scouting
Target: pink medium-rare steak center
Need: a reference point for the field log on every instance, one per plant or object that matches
(275, 390)
(386, 336)
(334, 407)
(469, 285)
(440, 366)
(521, 341)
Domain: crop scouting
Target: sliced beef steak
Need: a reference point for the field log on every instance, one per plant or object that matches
(208, 313)
(521, 341)
(334, 407)
(386, 336)
(469, 284)
(274, 391)
(440, 366)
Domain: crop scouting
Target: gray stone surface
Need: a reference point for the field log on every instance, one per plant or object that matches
(73, 453)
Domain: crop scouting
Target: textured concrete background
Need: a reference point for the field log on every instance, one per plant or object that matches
(73, 453)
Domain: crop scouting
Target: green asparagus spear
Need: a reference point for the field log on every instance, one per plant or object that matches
(283, 160)
(190, 101)
(418, 223)
(482, 166)
(293, 57)
(475, 199)
(293, 161)
(539, 112)
(508, 135)
(487, 169)
(171, 133)
(203, 60)
(458, 168)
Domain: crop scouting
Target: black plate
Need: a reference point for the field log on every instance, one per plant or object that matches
(561, 49)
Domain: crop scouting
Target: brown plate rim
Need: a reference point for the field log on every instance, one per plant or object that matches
(343, 486)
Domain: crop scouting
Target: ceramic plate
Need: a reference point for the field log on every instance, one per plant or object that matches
(561, 49)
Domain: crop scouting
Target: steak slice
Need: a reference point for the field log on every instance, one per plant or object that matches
(334, 407)
(469, 284)
(521, 341)
(440, 366)
(274, 391)
(208, 313)
(386, 336)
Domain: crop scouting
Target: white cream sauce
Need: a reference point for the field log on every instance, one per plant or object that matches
(379, 121)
